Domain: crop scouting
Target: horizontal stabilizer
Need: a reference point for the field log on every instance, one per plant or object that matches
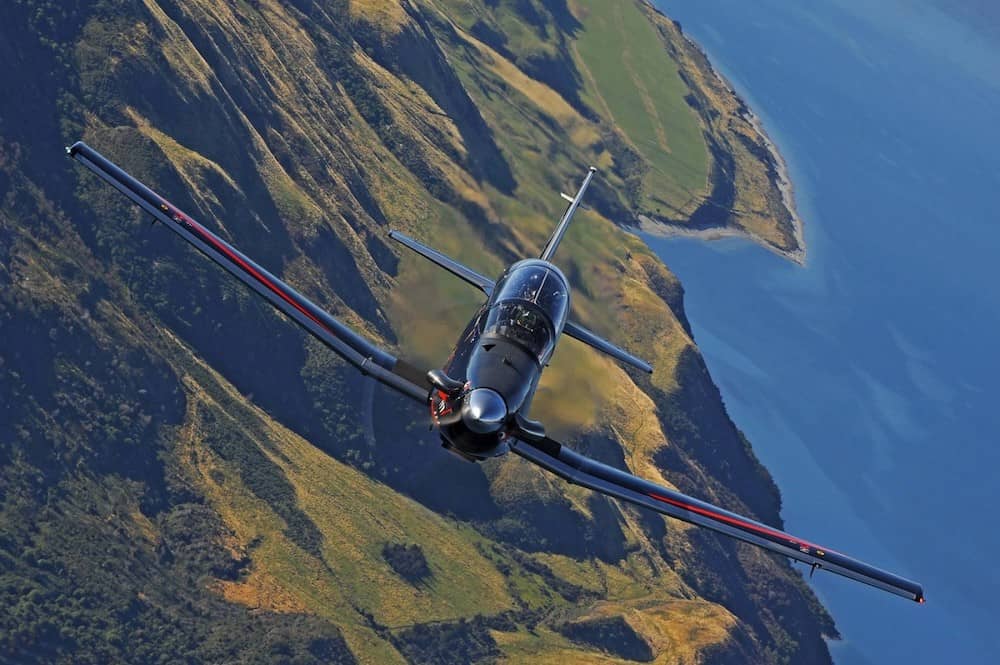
(569, 199)
(454, 267)
(576, 331)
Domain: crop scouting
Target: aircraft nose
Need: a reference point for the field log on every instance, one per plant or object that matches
(484, 411)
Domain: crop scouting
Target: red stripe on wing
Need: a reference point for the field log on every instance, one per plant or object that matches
(736, 522)
(208, 237)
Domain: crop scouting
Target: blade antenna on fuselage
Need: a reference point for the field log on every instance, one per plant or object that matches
(550, 246)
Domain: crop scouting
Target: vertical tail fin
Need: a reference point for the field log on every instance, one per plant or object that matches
(550, 246)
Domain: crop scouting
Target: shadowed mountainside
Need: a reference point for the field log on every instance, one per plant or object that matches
(184, 475)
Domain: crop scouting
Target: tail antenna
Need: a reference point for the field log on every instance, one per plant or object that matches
(553, 243)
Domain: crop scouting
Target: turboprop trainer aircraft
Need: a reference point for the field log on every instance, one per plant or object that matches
(480, 398)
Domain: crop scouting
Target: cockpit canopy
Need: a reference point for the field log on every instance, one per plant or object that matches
(529, 307)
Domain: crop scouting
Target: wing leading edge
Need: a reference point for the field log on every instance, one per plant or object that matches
(372, 360)
(484, 284)
(581, 470)
(578, 332)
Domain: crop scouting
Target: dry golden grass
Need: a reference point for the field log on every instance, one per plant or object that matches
(260, 591)
(145, 526)
(677, 630)
(388, 15)
(178, 51)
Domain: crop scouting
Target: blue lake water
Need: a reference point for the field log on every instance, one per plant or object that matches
(869, 381)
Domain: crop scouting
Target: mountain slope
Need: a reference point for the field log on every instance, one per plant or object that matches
(182, 468)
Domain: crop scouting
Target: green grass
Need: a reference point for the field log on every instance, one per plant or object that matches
(633, 79)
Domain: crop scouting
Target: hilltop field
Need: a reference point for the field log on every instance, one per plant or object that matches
(185, 477)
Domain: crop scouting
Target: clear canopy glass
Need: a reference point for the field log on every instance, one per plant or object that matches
(540, 285)
(523, 323)
(529, 307)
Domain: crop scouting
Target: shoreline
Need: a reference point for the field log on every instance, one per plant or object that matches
(781, 179)
(653, 227)
(783, 183)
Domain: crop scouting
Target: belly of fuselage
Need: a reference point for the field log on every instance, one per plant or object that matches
(472, 446)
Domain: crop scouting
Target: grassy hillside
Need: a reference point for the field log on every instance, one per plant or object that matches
(185, 476)
(643, 93)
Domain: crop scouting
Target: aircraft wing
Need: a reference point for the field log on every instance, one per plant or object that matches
(371, 359)
(581, 470)
(576, 331)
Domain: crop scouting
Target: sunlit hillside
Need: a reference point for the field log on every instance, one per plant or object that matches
(184, 476)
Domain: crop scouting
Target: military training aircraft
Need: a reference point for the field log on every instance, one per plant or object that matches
(480, 398)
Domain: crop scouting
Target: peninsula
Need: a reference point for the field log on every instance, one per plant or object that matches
(749, 192)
